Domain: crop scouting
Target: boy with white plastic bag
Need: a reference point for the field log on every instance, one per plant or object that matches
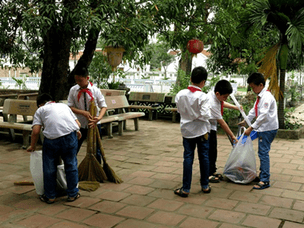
(61, 133)
(266, 125)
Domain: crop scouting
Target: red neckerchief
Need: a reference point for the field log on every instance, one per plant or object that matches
(86, 90)
(193, 89)
(222, 107)
(256, 105)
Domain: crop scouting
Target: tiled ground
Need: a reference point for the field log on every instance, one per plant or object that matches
(150, 163)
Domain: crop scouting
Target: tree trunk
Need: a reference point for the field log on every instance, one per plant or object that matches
(281, 100)
(54, 77)
(87, 56)
(185, 64)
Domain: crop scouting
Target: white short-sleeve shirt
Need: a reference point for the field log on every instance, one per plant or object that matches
(215, 108)
(73, 101)
(267, 119)
(57, 120)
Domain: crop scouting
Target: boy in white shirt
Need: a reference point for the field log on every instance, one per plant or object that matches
(193, 106)
(217, 100)
(61, 134)
(79, 99)
(266, 125)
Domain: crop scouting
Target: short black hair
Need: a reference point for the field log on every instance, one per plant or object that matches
(256, 78)
(223, 87)
(81, 71)
(43, 98)
(198, 75)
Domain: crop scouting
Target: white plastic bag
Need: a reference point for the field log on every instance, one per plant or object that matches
(241, 165)
(37, 173)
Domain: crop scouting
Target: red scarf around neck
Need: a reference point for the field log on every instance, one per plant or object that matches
(193, 89)
(86, 90)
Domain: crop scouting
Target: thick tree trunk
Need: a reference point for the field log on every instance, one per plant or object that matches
(281, 100)
(54, 78)
(88, 53)
(185, 64)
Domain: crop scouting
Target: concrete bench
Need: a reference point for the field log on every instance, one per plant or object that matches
(171, 100)
(116, 112)
(145, 97)
(112, 92)
(174, 113)
(28, 96)
(11, 109)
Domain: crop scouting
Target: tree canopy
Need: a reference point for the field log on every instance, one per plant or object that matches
(41, 34)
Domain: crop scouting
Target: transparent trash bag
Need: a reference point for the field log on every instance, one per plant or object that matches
(37, 173)
(241, 165)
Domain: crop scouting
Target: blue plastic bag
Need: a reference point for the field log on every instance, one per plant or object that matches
(253, 136)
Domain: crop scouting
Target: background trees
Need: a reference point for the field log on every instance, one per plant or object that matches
(41, 34)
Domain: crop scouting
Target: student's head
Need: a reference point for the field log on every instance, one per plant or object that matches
(82, 77)
(257, 82)
(199, 76)
(43, 98)
(222, 90)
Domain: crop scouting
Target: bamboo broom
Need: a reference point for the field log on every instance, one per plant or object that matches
(109, 172)
(90, 169)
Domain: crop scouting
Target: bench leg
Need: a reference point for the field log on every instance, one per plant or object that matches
(12, 134)
(124, 124)
(109, 130)
(156, 114)
(120, 127)
(136, 125)
(24, 118)
(26, 139)
(150, 115)
(174, 117)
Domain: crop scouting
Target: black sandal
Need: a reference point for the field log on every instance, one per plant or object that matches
(261, 185)
(207, 190)
(180, 192)
(219, 176)
(43, 198)
(72, 199)
(214, 179)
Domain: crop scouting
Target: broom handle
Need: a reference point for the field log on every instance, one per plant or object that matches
(239, 107)
(100, 145)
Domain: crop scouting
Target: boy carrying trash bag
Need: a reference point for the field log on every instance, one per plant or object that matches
(266, 125)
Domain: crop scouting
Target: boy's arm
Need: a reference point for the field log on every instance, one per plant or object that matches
(96, 119)
(226, 128)
(231, 106)
(34, 138)
(78, 133)
(81, 112)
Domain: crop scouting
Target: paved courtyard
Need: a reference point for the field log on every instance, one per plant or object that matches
(150, 163)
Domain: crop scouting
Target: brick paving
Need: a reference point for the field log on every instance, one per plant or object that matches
(150, 163)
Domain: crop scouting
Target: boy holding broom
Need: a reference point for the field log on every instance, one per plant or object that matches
(79, 99)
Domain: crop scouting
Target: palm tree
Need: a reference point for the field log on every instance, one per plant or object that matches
(287, 16)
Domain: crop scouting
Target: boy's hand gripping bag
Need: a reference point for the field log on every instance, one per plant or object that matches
(241, 166)
(37, 173)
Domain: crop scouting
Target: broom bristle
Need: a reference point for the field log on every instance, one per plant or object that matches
(90, 170)
(112, 177)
